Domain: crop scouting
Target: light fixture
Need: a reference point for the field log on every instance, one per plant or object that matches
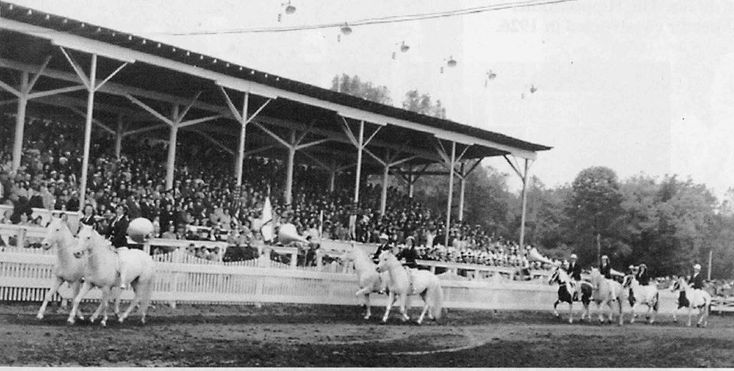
(404, 47)
(289, 8)
(533, 89)
(451, 62)
(490, 76)
(346, 30)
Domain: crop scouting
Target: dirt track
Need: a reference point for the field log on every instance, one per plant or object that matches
(294, 335)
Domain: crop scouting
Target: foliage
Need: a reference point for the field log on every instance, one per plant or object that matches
(422, 103)
(353, 85)
(592, 211)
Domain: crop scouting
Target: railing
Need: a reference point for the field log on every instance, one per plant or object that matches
(331, 248)
(186, 279)
(46, 215)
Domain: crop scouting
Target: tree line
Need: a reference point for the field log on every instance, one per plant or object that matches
(669, 224)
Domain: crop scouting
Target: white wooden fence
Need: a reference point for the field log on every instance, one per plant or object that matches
(183, 278)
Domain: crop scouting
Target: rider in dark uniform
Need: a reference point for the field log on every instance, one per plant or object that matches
(642, 276)
(696, 280)
(384, 246)
(88, 218)
(574, 271)
(408, 253)
(117, 233)
(605, 268)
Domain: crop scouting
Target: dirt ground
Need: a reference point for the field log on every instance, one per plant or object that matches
(333, 336)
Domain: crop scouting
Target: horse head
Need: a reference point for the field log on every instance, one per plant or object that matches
(554, 276)
(86, 241)
(627, 281)
(386, 260)
(57, 233)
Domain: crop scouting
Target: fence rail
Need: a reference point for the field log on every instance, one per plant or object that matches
(184, 279)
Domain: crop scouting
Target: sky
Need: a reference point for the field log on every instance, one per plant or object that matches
(637, 86)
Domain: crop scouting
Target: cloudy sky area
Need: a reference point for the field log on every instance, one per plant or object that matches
(638, 86)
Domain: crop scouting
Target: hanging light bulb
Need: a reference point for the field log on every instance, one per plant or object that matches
(451, 62)
(289, 8)
(491, 75)
(533, 89)
(404, 47)
(346, 29)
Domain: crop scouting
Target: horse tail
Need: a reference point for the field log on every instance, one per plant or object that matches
(435, 296)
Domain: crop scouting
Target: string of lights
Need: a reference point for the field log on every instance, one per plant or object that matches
(378, 20)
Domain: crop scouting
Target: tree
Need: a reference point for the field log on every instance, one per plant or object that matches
(352, 85)
(421, 103)
(544, 216)
(593, 211)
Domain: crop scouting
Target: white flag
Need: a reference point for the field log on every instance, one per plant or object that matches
(267, 221)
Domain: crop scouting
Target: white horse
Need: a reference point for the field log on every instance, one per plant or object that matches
(67, 268)
(565, 293)
(647, 295)
(102, 271)
(424, 283)
(606, 292)
(692, 299)
(369, 280)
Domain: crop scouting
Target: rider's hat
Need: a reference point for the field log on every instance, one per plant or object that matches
(573, 256)
(643, 266)
(383, 237)
(605, 257)
(697, 266)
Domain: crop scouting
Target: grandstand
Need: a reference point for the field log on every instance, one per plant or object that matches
(196, 144)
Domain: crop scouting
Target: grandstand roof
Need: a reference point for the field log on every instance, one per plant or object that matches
(163, 74)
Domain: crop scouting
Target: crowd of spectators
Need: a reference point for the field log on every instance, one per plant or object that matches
(204, 203)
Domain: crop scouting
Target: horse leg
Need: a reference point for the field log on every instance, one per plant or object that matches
(116, 293)
(49, 295)
(634, 314)
(405, 307)
(425, 308)
(690, 313)
(390, 301)
(367, 303)
(75, 307)
(104, 305)
(570, 312)
(136, 299)
(599, 306)
(555, 310)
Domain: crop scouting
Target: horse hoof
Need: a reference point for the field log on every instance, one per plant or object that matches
(103, 323)
(121, 319)
(70, 321)
(39, 316)
(142, 320)
(366, 317)
(570, 321)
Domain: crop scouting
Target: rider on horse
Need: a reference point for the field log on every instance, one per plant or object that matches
(383, 246)
(574, 271)
(642, 276)
(408, 255)
(605, 268)
(117, 233)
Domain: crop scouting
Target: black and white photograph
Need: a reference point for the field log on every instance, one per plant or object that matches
(367, 183)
